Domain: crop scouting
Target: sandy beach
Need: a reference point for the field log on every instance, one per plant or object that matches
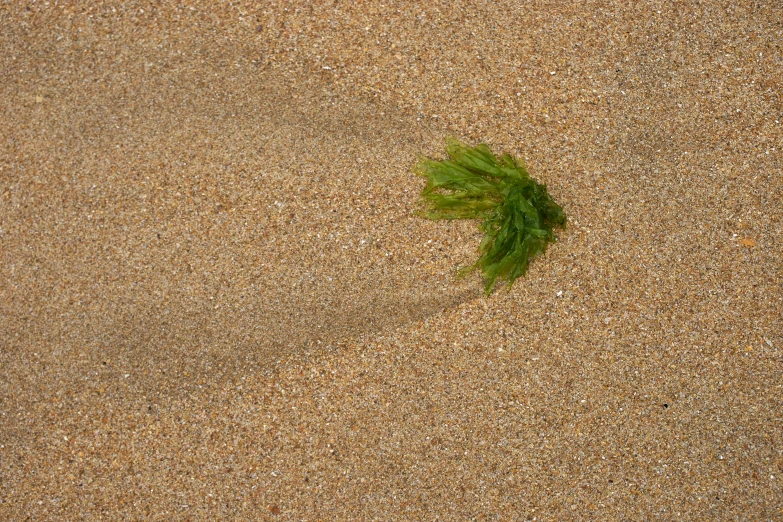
(217, 302)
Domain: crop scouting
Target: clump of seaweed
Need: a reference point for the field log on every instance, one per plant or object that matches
(516, 211)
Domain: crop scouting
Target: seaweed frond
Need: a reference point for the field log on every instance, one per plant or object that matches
(517, 213)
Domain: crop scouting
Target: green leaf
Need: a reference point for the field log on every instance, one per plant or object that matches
(517, 213)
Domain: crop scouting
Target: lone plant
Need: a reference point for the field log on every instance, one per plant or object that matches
(517, 212)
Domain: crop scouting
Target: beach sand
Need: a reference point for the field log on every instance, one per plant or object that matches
(216, 302)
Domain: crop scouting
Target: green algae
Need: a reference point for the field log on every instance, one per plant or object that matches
(517, 213)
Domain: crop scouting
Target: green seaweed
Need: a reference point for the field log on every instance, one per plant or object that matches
(516, 211)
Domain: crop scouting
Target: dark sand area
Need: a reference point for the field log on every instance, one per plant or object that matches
(217, 304)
